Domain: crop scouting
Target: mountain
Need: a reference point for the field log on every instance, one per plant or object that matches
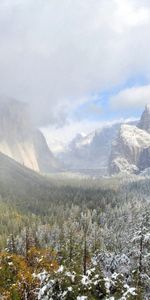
(131, 149)
(20, 140)
(90, 152)
(145, 119)
(24, 190)
(19, 181)
(12, 173)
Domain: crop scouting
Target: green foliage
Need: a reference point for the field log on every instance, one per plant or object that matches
(78, 220)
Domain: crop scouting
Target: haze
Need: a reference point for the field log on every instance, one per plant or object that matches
(76, 62)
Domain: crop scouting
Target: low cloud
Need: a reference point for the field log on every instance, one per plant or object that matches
(131, 97)
(69, 131)
(56, 54)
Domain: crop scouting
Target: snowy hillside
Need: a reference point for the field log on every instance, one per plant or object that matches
(131, 149)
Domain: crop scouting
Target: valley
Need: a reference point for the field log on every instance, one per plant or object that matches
(74, 150)
(80, 221)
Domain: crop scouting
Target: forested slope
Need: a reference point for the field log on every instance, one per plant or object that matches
(73, 239)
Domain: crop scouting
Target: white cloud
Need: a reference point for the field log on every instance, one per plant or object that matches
(131, 97)
(129, 14)
(59, 137)
(55, 54)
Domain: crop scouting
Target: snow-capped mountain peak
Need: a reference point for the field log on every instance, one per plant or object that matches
(145, 119)
(131, 150)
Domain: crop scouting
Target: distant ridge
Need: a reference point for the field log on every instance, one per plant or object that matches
(19, 182)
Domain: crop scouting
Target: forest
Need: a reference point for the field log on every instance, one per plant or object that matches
(74, 150)
(76, 239)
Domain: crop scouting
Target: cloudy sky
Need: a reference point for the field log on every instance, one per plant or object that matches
(79, 63)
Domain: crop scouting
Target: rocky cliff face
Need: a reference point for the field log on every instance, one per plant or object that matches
(20, 140)
(145, 119)
(131, 150)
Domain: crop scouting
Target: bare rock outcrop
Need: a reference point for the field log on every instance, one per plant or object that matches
(21, 141)
(130, 151)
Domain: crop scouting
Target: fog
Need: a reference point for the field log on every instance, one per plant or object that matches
(57, 54)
